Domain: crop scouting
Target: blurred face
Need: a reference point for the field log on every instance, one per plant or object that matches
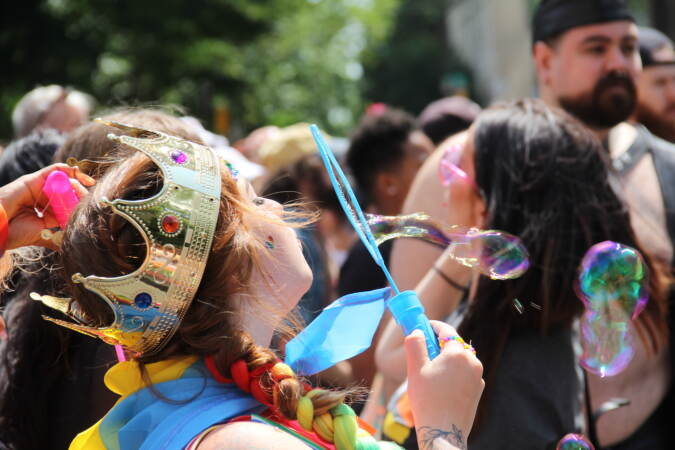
(590, 71)
(417, 149)
(656, 100)
(63, 117)
(283, 262)
(457, 172)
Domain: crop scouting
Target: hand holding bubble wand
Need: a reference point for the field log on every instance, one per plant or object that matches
(324, 342)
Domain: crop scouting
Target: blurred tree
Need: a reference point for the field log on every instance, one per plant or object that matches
(312, 67)
(414, 66)
(268, 61)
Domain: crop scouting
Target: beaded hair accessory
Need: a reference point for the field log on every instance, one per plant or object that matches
(177, 225)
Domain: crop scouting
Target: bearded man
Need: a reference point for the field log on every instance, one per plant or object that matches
(587, 58)
(656, 84)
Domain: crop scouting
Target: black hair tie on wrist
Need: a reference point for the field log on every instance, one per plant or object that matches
(450, 281)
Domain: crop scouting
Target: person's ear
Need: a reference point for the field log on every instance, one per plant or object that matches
(387, 184)
(542, 53)
(480, 213)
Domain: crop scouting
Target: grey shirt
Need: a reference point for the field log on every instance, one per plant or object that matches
(536, 396)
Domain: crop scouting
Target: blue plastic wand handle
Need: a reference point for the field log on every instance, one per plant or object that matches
(409, 315)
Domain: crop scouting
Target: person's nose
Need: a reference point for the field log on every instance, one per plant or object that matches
(669, 93)
(619, 61)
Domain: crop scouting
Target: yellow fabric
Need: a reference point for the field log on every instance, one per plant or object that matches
(88, 439)
(124, 379)
(399, 433)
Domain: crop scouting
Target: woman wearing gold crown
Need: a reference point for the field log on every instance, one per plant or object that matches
(178, 262)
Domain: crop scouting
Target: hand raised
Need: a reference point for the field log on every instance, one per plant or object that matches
(444, 392)
(22, 196)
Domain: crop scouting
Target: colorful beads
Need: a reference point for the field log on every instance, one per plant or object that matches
(143, 300)
(269, 242)
(442, 341)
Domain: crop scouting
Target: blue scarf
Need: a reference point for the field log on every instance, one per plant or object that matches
(141, 419)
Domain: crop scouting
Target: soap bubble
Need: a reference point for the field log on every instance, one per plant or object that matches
(497, 254)
(613, 275)
(613, 286)
(573, 441)
(607, 345)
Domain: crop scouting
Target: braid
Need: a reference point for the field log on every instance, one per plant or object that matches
(257, 370)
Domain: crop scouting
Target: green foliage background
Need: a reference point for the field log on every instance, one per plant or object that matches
(268, 61)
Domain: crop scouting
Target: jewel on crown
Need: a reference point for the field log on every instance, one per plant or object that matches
(177, 225)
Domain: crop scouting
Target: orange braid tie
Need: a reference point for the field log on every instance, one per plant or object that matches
(240, 375)
(250, 381)
(211, 365)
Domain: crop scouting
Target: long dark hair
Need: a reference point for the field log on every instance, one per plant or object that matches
(546, 179)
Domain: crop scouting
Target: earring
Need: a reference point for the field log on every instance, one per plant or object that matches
(269, 242)
(41, 212)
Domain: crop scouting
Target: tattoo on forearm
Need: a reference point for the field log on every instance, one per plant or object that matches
(428, 437)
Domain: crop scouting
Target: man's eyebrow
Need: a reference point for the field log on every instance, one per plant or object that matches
(629, 39)
(596, 39)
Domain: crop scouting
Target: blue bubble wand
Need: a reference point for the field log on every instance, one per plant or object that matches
(326, 340)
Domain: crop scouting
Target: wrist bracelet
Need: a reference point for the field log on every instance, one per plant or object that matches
(450, 281)
(4, 229)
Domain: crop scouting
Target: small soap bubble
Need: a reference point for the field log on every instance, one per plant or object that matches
(497, 254)
(573, 441)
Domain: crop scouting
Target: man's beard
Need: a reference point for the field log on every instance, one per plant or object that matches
(603, 108)
(657, 123)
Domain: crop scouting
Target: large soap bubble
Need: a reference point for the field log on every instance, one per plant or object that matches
(613, 285)
(613, 276)
(497, 254)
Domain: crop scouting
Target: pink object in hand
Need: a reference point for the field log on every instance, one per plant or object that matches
(119, 351)
(61, 195)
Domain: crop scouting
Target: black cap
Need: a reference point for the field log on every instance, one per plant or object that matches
(552, 17)
(652, 40)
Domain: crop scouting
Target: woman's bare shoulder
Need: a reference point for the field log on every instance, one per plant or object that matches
(249, 436)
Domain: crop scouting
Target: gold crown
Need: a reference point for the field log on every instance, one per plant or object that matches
(177, 225)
